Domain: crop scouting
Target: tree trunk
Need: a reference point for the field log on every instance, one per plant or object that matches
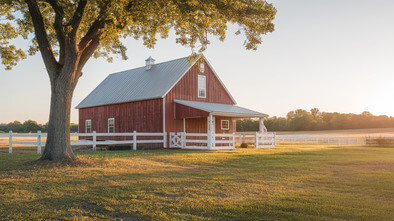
(58, 146)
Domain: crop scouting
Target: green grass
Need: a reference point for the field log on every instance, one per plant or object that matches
(291, 182)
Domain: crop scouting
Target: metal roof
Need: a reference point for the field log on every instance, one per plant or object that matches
(137, 84)
(221, 109)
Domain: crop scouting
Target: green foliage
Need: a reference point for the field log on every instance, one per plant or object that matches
(30, 126)
(247, 125)
(101, 24)
(73, 128)
(301, 120)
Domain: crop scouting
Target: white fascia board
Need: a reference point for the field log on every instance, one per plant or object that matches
(221, 82)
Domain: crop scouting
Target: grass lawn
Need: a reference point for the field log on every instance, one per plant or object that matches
(287, 182)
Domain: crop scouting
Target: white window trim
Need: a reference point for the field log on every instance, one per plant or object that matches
(228, 125)
(108, 125)
(86, 126)
(198, 86)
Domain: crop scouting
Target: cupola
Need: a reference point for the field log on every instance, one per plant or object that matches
(149, 63)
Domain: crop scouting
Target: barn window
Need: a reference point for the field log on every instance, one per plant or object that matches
(202, 86)
(88, 126)
(225, 125)
(111, 125)
(202, 67)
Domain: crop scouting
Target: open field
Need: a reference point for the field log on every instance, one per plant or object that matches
(292, 182)
(374, 132)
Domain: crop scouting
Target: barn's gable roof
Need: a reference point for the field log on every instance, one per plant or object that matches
(139, 84)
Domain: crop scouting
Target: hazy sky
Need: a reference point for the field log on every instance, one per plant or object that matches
(333, 55)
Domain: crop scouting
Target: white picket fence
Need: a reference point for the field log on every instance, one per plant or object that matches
(258, 139)
(250, 137)
(202, 141)
(94, 142)
(218, 141)
(327, 140)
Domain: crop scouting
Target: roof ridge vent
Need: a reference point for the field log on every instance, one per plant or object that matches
(149, 63)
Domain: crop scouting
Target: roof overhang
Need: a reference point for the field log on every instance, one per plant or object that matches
(190, 109)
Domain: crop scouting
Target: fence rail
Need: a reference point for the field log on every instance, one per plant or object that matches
(201, 141)
(327, 140)
(94, 142)
(250, 137)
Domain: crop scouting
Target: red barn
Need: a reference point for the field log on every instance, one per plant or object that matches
(173, 96)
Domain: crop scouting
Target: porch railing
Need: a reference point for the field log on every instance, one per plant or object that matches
(201, 141)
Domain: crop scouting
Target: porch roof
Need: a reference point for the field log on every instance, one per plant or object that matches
(221, 109)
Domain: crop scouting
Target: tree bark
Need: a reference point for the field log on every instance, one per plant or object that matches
(58, 147)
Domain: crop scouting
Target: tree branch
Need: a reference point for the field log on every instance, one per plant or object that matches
(77, 18)
(41, 36)
(89, 43)
(58, 26)
(91, 34)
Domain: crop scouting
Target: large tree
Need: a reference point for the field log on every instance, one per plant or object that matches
(68, 33)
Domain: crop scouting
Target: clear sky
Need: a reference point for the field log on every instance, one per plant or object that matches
(336, 55)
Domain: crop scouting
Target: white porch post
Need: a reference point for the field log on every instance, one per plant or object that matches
(211, 132)
(262, 128)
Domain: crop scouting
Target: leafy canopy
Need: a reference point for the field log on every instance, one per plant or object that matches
(82, 23)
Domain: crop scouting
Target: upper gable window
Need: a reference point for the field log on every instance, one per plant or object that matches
(202, 86)
(202, 67)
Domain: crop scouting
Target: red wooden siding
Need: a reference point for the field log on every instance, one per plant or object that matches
(182, 111)
(186, 89)
(218, 125)
(141, 116)
(199, 125)
(196, 125)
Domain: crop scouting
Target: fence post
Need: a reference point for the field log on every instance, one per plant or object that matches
(165, 140)
(135, 140)
(275, 139)
(183, 135)
(94, 140)
(256, 140)
(39, 141)
(234, 140)
(10, 142)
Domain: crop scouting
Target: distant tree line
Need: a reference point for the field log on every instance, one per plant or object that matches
(29, 126)
(301, 120)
